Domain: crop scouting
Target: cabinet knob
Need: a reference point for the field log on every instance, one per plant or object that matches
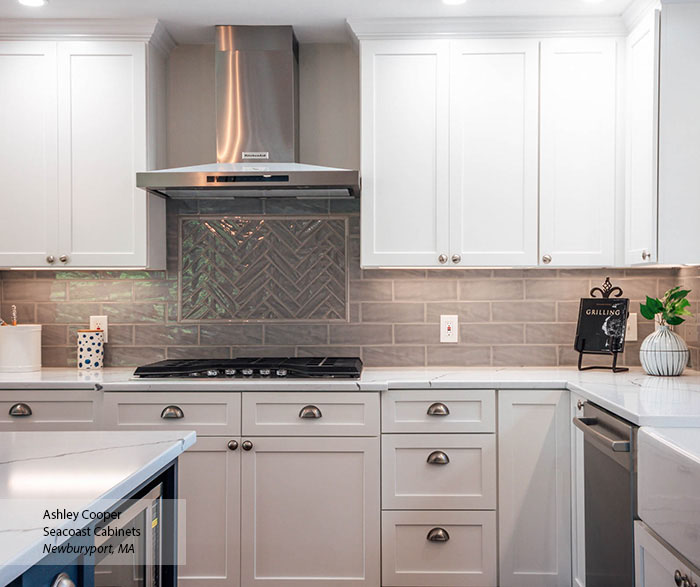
(50, 259)
(310, 412)
(681, 579)
(232, 444)
(246, 445)
(20, 411)
(63, 258)
(438, 409)
(580, 404)
(172, 413)
(546, 259)
(442, 259)
(63, 580)
(438, 535)
(437, 457)
(456, 258)
(646, 255)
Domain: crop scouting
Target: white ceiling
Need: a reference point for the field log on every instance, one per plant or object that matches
(315, 21)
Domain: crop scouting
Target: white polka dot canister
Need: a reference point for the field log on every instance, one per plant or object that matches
(91, 349)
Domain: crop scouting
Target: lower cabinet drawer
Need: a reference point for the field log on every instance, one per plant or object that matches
(439, 471)
(208, 414)
(425, 549)
(45, 411)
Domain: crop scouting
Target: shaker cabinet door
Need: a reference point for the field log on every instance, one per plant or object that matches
(493, 152)
(405, 99)
(103, 217)
(28, 153)
(577, 152)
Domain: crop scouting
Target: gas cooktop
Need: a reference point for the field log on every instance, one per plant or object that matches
(251, 367)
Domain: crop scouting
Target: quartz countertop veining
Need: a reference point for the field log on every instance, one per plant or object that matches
(86, 471)
(642, 399)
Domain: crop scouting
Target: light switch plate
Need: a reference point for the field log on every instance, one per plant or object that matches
(631, 333)
(449, 328)
(99, 323)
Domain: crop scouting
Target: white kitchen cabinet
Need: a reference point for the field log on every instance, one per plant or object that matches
(310, 512)
(534, 488)
(209, 477)
(578, 519)
(405, 191)
(28, 152)
(679, 134)
(25, 410)
(493, 152)
(641, 204)
(655, 565)
(577, 152)
(81, 118)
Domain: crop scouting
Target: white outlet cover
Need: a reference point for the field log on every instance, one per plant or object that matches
(449, 328)
(631, 333)
(100, 323)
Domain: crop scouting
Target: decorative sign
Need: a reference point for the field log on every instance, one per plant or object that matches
(602, 323)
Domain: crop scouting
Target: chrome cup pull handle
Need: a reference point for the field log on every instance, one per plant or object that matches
(310, 412)
(438, 409)
(437, 457)
(63, 580)
(438, 535)
(20, 410)
(172, 413)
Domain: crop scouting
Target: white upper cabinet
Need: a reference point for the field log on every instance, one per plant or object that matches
(78, 115)
(493, 152)
(641, 142)
(28, 152)
(578, 152)
(405, 200)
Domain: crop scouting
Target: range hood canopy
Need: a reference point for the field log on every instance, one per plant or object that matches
(257, 127)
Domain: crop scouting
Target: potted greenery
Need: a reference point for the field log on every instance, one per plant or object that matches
(664, 352)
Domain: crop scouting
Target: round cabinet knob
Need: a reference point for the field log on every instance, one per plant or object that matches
(232, 444)
(442, 259)
(580, 404)
(438, 535)
(172, 413)
(438, 409)
(50, 259)
(310, 412)
(247, 445)
(437, 457)
(63, 258)
(63, 580)
(546, 259)
(20, 411)
(679, 578)
(456, 258)
(646, 255)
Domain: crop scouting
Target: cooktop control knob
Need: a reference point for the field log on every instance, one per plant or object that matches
(281, 372)
(247, 372)
(212, 373)
(265, 372)
(229, 372)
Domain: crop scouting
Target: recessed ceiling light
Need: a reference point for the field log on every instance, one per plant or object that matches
(33, 3)
(453, 2)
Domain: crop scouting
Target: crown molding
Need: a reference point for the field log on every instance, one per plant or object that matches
(470, 27)
(637, 10)
(84, 29)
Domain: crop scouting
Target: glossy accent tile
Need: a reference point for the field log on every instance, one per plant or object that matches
(259, 268)
(360, 334)
(393, 356)
(231, 334)
(452, 355)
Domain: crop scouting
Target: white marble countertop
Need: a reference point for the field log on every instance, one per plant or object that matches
(76, 470)
(639, 398)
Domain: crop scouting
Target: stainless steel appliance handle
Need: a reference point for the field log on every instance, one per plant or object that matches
(437, 457)
(310, 412)
(438, 535)
(585, 425)
(20, 410)
(172, 412)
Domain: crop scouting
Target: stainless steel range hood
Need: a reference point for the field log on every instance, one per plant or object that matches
(257, 127)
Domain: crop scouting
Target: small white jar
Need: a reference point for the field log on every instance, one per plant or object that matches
(20, 348)
(91, 349)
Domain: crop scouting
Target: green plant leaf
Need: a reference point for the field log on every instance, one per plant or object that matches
(655, 305)
(677, 295)
(674, 320)
(646, 311)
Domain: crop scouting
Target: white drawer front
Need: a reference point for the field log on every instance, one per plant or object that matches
(205, 413)
(416, 476)
(410, 558)
(47, 412)
(337, 414)
(468, 410)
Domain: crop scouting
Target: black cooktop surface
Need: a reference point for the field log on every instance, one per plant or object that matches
(260, 367)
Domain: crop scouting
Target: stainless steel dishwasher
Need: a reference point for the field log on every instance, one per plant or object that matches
(610, 486)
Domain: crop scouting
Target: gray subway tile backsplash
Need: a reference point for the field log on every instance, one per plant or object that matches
(389, 317)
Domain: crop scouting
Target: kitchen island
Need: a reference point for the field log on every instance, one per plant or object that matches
(87, 472)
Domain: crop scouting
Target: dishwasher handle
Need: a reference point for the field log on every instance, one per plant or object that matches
(585, 425)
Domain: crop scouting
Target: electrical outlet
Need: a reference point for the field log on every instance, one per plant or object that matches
(449, 328)
(99, 323)
(631, 333)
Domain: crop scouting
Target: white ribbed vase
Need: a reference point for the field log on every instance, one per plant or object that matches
(664, 353)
